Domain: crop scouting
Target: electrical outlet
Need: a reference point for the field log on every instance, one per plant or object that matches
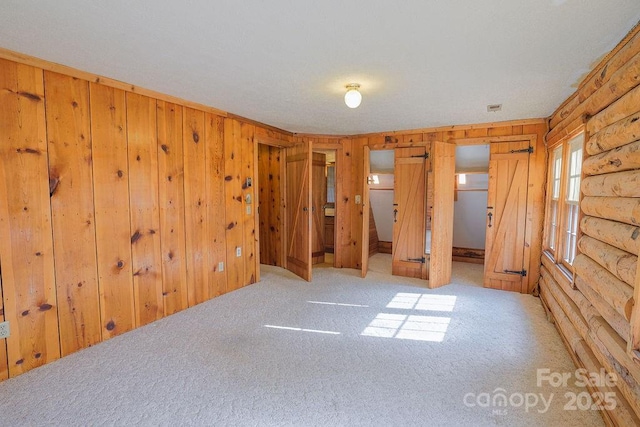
(4, 330)
(238, 251)
(221, 266)
(358, 199)
(248, 209)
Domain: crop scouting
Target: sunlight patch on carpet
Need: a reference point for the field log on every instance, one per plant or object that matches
(425, 302)
(408, 327)
(289, 328)
(337, 303)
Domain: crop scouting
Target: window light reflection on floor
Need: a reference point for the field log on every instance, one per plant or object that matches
(337, 303)
(289, 328)
(424, 302)
(408, 327)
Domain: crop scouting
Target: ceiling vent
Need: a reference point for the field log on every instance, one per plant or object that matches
(494, 108)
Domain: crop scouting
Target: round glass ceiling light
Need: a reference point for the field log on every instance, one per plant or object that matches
(353, 97)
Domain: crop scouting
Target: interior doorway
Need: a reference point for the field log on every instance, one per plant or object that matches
(381, 199)
(271, 204)
(323, 207)
(470, 203)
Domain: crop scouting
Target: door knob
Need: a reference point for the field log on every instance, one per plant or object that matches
(395, 215)
(490, 215)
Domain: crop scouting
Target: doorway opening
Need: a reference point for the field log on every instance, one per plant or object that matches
(271, 204)
(323, 229)
(470, 203)
(381, 200)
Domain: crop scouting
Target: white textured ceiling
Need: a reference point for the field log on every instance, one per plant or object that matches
(421, 63)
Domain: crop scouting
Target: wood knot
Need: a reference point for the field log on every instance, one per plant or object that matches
(27, 151)
(19, 361)
(228, 178)
(110, 325)
(196, 137)
(120, 264)
(136, 236)
(74, 104)
(45, 307)
(54, 181)
(30, 96)
(25, 313)
(120, 173)
(164, 148)
(231, 225)
(37, 355)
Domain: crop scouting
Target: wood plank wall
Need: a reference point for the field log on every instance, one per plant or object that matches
(595, 313)
(116, 209)
(350, 164)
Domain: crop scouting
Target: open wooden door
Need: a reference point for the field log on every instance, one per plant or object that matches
(298, 210)
(409, 212)
(507, 216)
(441, 251)
(319, 200)
(365, 212)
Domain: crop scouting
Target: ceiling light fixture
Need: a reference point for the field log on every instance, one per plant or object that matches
(353, 97)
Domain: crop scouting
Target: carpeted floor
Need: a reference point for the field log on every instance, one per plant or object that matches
(341, 351)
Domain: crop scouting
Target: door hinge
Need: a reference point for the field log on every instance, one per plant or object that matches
(424, 156)
(421, 260)
(522, 272)
(524, 150)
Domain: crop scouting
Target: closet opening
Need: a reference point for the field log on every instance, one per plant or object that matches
(470, 203)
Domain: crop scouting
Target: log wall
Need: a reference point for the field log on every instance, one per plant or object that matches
(595, 311)
(116, 209)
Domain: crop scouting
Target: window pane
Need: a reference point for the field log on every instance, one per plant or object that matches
(571, 232)
(553, 224)
(575, 168)
(557, 172)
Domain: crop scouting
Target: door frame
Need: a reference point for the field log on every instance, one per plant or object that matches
(338, 220)
(533, 171)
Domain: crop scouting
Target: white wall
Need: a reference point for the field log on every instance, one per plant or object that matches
(382, 205)
(469, 219)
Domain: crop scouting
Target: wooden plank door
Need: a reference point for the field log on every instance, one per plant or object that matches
(441, 221)
(507, 216)
(409, 209)
(298, 210)
(365, 209)
(319, 199)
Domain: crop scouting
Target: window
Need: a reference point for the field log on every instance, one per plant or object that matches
(572, 200)
(555, 167)
(563, 198)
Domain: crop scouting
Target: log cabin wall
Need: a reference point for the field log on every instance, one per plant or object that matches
(116, 209)
(594, 309)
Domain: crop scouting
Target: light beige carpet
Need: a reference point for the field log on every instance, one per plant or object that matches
(341, 351)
